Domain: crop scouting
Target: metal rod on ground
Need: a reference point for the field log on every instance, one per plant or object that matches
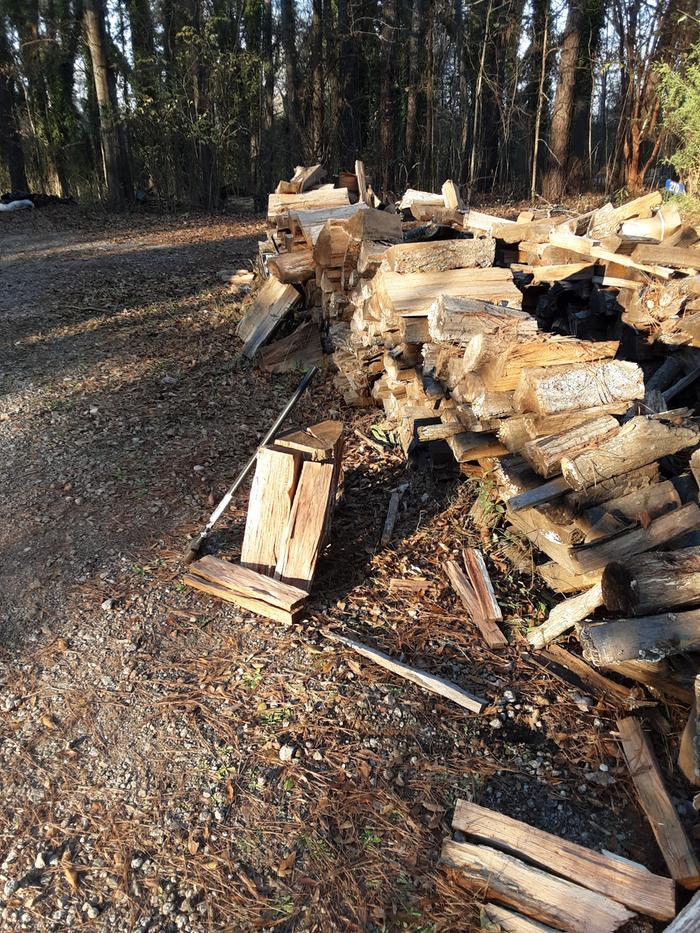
(195, 545)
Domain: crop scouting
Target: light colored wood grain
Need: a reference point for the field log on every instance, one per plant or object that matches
(624, 881)
(302, 539)
(565, 615)
(536, 893)
(269, 507)
(430, 682)
(675, 846)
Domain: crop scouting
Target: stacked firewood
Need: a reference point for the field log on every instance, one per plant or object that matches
(553, 354)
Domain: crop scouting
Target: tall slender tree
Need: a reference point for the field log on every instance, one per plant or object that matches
(10, 139)
(95, 27)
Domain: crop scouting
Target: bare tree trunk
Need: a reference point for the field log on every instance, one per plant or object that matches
(345, 118)
(109, 136)
(316, 79)
(269, 83)
(554, 181)
(415, 57)
(288, 30)
(428, 158)
(580, 170)
(387, 95)
(539, 107)
(10, 141)
(476, 115)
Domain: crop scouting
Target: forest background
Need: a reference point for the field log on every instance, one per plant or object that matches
(183, 103)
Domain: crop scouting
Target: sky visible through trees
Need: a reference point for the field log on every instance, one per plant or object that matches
(101, 99)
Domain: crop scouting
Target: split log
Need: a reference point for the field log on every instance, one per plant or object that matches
(675, 256)
(483, 223)
(280, 204)
(300, 350)
(272, 303)
(452, 197)
(644, 769)
(638, 443)
(615, 487)
(292, 268)
(497, 918)
(253, 591)
(269, 507)
(643, 638)
(546, 453)
(504, 372)
(457, 320)
(664, 225)
(309, 223)
(591, 679)
(475, 446)
(622, 880)
(430, 682)
(413, 196)
(549, 390)
(562, 580)
(607, 219)
(626, 544)
(302, 540)
(416, 291)
(476, 593)
(565, 615)
(637, 507)
(689, 752)
(375, 225)
(660, 580)
(322, 442)
(441, 255)
(536, 893)
(695, 466)
(688, 920)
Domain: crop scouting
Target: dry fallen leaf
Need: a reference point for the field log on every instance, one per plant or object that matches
(69, 872)
(230, 792)
(287, 864)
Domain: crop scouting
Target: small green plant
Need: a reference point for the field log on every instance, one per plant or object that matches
(679, 90)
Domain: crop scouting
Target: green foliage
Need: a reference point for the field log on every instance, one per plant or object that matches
(680, 97)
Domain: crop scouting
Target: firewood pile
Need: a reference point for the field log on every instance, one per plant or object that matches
(556, 358)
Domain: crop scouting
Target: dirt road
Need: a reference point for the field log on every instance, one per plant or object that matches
(171, 763)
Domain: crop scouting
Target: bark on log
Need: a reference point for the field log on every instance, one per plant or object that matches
(546, 453)
(660, 580)
(639, 442)
(646, 638)
(549, 390)
(441, 255)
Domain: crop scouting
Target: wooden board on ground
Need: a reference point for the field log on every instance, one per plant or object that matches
(430, 682)
(272, 303)
(644, 769)
(250, 590)
(624, 881)
(531, 891)
(476, 593)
